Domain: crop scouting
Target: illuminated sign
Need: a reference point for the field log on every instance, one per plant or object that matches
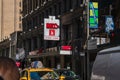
(93, 15)
(66, 47)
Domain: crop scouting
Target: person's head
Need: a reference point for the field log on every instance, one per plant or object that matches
(8, 69)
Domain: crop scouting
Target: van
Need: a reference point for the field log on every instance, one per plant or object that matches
(107, 64)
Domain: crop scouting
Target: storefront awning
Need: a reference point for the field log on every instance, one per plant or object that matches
(44, 55)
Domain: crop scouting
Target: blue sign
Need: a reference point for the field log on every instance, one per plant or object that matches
(109, 24)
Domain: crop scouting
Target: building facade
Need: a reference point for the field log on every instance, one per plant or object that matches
(10, 17)
(10, 22)
(73, 31)
(68, 12)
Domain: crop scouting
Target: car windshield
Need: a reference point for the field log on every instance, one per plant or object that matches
(43, 75)
(68, 73)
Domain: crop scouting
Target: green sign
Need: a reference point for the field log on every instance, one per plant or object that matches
(93, 14)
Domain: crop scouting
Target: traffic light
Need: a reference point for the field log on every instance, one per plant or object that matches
(115, 36)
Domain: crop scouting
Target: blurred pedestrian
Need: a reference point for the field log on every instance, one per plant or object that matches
(1, 78)
(8, 69)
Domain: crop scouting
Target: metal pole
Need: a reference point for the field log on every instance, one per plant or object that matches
(10, 48)
(87, 19)
(87, 54)
(110, 9)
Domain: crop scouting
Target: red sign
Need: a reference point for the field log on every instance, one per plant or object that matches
(51, 25)
(66, 47)
(18, 64)
(52, 32)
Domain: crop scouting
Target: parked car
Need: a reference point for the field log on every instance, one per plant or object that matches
(39, 74)
(67, 73)
(107, 65)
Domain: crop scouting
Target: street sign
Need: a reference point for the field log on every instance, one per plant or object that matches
(51, 28)
(65, 52)
(109, 24)
(66, 47)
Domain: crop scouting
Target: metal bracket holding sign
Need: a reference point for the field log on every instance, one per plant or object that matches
(51, 28)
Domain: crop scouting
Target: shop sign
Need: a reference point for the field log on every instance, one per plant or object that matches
(51, 28)
(66, 47)
(93, 15)
(109, 24)
(65, 52)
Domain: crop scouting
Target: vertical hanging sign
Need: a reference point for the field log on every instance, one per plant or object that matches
(109, 24)
(93, 15)
(51, 28)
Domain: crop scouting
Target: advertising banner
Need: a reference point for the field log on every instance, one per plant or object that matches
(51, 28)
(109, 24)
(93, 15)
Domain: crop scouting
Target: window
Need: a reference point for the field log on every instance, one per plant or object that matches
(44, 75)
(50, 11)
(30, 5)
(68, 34)
(65, 2)
(24, 74)
(42, 17)
(20, 18)
(36, 3)
(70, 4)
(20, 25)
(55, 10)
(35, 43)
(39, 20)
(20, 4)
(46, 13)
(59, 8)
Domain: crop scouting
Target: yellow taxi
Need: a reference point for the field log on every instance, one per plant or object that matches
(39, 74)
